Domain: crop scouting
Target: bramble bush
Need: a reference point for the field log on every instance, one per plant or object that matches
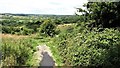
(90, 48)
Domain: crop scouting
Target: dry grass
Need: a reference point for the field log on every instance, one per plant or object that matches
(12, 36)
(63, 27)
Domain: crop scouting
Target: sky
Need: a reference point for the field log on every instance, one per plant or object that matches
(57, 7)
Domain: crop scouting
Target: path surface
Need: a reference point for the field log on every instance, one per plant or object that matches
(44, 56)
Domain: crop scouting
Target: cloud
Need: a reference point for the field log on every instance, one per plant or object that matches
(64, 7)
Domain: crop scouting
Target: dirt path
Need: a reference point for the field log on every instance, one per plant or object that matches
(44, 56)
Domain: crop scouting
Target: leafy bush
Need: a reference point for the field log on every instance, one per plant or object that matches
(26, 31)
(90, 48)
(47, 28)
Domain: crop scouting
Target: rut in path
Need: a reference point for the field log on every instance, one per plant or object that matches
(45, 56)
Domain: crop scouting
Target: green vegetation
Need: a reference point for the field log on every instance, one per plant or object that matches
(89, 48)
(88, 40)
(47, 28)
(104, 14)
(17, 52)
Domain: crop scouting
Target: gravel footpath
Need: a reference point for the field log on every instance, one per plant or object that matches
(44, 56)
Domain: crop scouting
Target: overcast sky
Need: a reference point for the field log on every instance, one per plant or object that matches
(59, 7)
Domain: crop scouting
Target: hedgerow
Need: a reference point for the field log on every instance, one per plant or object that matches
(90, 48)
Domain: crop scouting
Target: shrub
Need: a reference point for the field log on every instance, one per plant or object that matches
(47, 28)
(90, 48)
(26, 31)
(6, 29)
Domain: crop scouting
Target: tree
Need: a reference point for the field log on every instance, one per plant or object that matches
(33, 25)
(47, 28)
(104, 14)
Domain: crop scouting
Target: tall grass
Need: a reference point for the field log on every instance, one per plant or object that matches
(16, 50)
